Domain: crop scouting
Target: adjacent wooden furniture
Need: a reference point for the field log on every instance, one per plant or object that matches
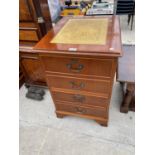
(31, 66)
(34, 23)
(128, 103)
(126, 76)
(80, 73)
(34, 20)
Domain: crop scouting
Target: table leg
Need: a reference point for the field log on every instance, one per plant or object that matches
(128, 97)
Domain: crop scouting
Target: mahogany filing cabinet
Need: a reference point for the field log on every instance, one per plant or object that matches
(79, 56)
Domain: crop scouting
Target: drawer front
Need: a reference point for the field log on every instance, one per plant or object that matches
(81, 66)
(90, 85)
(97, 112)
(80, 99)
(28, 35)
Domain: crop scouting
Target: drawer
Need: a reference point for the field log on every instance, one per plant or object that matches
(90, 85)
(80, 99)
(28, 35)
(97, 112)
(75, 66)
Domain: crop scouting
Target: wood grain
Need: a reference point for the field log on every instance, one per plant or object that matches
(71, 65)
(81, 84)
(81, 81)
(30, 32)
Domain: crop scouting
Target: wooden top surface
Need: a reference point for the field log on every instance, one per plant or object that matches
(92, 36)
(126, 65)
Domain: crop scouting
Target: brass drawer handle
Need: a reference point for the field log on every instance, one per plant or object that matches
(76, 86)
(80, 110)
(72, 64)
(79, 98)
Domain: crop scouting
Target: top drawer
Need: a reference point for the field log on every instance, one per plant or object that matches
(81, 66)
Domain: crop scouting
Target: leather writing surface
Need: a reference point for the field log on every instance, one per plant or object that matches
(83, 31)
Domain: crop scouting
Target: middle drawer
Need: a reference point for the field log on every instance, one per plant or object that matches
(81, 99)
(89, 85)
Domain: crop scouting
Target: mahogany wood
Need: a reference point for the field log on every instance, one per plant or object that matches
(45, 13)
(28, 35)
(31, 67)
(128, 102)
(71, 65)
(28, 22)
(81, 99)
(81, 82)
(31, 30)
(96, 112)
(36, 13)
(111, 48)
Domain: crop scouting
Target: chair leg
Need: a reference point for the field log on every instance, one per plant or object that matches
(132, 21)
(129, 17)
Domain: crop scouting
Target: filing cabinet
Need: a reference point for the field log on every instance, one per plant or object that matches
(80, 75)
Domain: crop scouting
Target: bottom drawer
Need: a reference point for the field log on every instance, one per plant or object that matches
(97, 112)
